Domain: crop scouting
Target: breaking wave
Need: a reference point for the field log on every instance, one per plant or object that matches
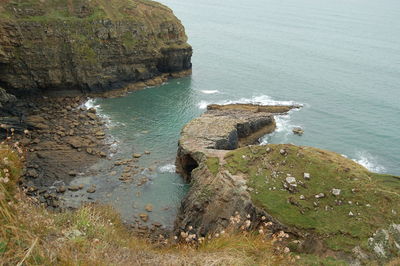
(209, 91)
(91, 103)
(168, 168)
(370, 162)
(262, 99)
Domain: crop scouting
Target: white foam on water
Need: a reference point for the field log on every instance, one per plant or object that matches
(209, 91)
(262, 99)
(283, 122)
(168, 168)
(203, 104)
(284, 128)
(368, 161)
(91, 103)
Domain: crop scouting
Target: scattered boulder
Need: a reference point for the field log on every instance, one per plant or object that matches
(74, 188)
(91, 189)
(100, 133)
(290, 180)
(149, 207)
(32, 173)
(61, 189)
(136, 155)
(144, 217)
(336, 191)
(72, 173)
(92, 116)
(36, 121)
(142, 181)
(298, 131)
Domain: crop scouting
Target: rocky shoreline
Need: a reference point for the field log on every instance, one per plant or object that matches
(61, 138)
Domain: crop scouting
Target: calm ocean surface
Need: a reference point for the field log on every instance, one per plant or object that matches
(340, 58)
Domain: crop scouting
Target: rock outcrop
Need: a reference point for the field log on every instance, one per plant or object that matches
(328, 205)
(6, 98)
(215, 195)
(90, 46)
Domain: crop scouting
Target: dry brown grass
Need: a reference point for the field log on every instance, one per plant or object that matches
(95, 235)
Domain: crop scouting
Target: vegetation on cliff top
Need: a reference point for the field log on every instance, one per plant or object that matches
(88, 45)
(322, 193)
(95, 235)
(75, 9)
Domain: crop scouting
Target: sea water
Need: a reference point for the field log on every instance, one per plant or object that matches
(340, 59)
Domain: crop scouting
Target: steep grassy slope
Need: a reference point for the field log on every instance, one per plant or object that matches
(341, 204)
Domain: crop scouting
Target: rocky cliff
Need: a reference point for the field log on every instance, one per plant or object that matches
(215, 194)
(326, 204)
(88, 45)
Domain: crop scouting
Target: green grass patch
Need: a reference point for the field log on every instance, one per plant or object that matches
(213, 165)
(313, 260)
(367, 201)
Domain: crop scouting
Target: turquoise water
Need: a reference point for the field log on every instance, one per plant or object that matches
(340, 59)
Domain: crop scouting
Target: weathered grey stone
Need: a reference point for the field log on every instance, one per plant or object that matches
(336, 191)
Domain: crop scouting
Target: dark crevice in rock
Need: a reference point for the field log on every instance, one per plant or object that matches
(187, 165)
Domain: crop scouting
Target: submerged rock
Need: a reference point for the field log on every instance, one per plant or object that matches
(298, 131)
(148, 207)
(74, 188)
(144, 217)
(92, 189)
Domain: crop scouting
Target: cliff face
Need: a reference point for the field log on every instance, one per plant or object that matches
(88, 45)
(216, 194)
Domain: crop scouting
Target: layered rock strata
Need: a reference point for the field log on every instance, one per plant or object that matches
(89, 46)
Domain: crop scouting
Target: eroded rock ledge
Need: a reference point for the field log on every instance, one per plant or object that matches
(203, 144)
(222, 128)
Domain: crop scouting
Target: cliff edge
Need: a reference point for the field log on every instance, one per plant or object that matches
(90, 46)
(328, 205)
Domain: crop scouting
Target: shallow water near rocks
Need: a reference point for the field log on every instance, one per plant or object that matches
(340, 59)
